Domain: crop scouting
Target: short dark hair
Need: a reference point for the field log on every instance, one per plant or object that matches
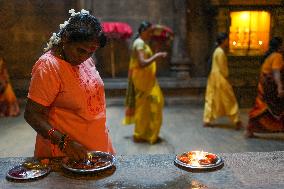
(221, 37)
(144, 26)
(83, 27)
(274, 44)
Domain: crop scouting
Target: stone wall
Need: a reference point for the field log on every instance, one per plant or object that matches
(132, 12)
(25, 26)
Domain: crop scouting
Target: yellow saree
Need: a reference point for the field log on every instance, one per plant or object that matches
(144, 98)
(219, 98)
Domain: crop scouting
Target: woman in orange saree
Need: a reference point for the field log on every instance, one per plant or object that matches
(144, 98)
(66, 99)
(268, 113)
(8, 102)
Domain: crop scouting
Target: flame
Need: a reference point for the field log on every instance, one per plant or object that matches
(195, 157)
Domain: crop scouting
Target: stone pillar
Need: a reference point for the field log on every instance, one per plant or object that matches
(180, 59)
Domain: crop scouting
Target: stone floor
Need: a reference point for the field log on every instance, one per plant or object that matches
(181, 131)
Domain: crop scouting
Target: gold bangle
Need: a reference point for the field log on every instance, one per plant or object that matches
(50, 133)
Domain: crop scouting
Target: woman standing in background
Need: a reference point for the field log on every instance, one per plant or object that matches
(220, 99)
(144, 98)
(8, 102)
(268, 113)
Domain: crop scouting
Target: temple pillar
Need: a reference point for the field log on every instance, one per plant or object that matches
(180, 62)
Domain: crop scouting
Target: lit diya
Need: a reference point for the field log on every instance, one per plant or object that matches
(97, 161)
(198, 160)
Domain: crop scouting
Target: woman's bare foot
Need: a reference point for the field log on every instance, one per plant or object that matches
(249, 134)
(207, 124)
(138, 140)
(249, 131)
(157, 140)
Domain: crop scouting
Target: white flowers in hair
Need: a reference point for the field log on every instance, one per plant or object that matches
(61, 26)
(55, 39)
(73, 13)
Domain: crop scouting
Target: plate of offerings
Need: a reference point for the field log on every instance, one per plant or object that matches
(199, 160)
(97, 161)
(28, 171)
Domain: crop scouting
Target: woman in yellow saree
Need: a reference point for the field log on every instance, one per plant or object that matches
(268, 113)
(220, 99)
(144, 98)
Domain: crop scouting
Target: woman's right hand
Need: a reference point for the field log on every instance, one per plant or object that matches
(75, 150)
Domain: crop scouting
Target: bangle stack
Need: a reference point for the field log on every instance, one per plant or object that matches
(63, 142)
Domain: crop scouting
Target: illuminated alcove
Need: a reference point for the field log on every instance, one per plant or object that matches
(249, 32)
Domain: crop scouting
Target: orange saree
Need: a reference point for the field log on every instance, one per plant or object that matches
(268, 113)
(8, 102)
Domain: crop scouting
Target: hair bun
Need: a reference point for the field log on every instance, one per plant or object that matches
(102, 40)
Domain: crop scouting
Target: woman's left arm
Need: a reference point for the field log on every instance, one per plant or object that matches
(277, 79)
(277, 65)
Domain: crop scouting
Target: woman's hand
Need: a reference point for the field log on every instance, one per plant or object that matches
(161, 54)
(75, 150)
(144, 62)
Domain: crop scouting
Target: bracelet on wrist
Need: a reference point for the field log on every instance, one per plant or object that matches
(50, 133)
(66, 141)
(63, 142)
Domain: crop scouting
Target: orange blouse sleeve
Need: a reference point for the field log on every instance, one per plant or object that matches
(45, 82)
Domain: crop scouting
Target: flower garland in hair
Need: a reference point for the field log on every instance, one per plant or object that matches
(55, 39)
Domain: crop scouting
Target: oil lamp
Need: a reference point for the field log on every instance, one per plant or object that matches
(198, 160)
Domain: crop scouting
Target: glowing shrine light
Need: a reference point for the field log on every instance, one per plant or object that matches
(260, 42)
(245, 15)
(234, 43)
